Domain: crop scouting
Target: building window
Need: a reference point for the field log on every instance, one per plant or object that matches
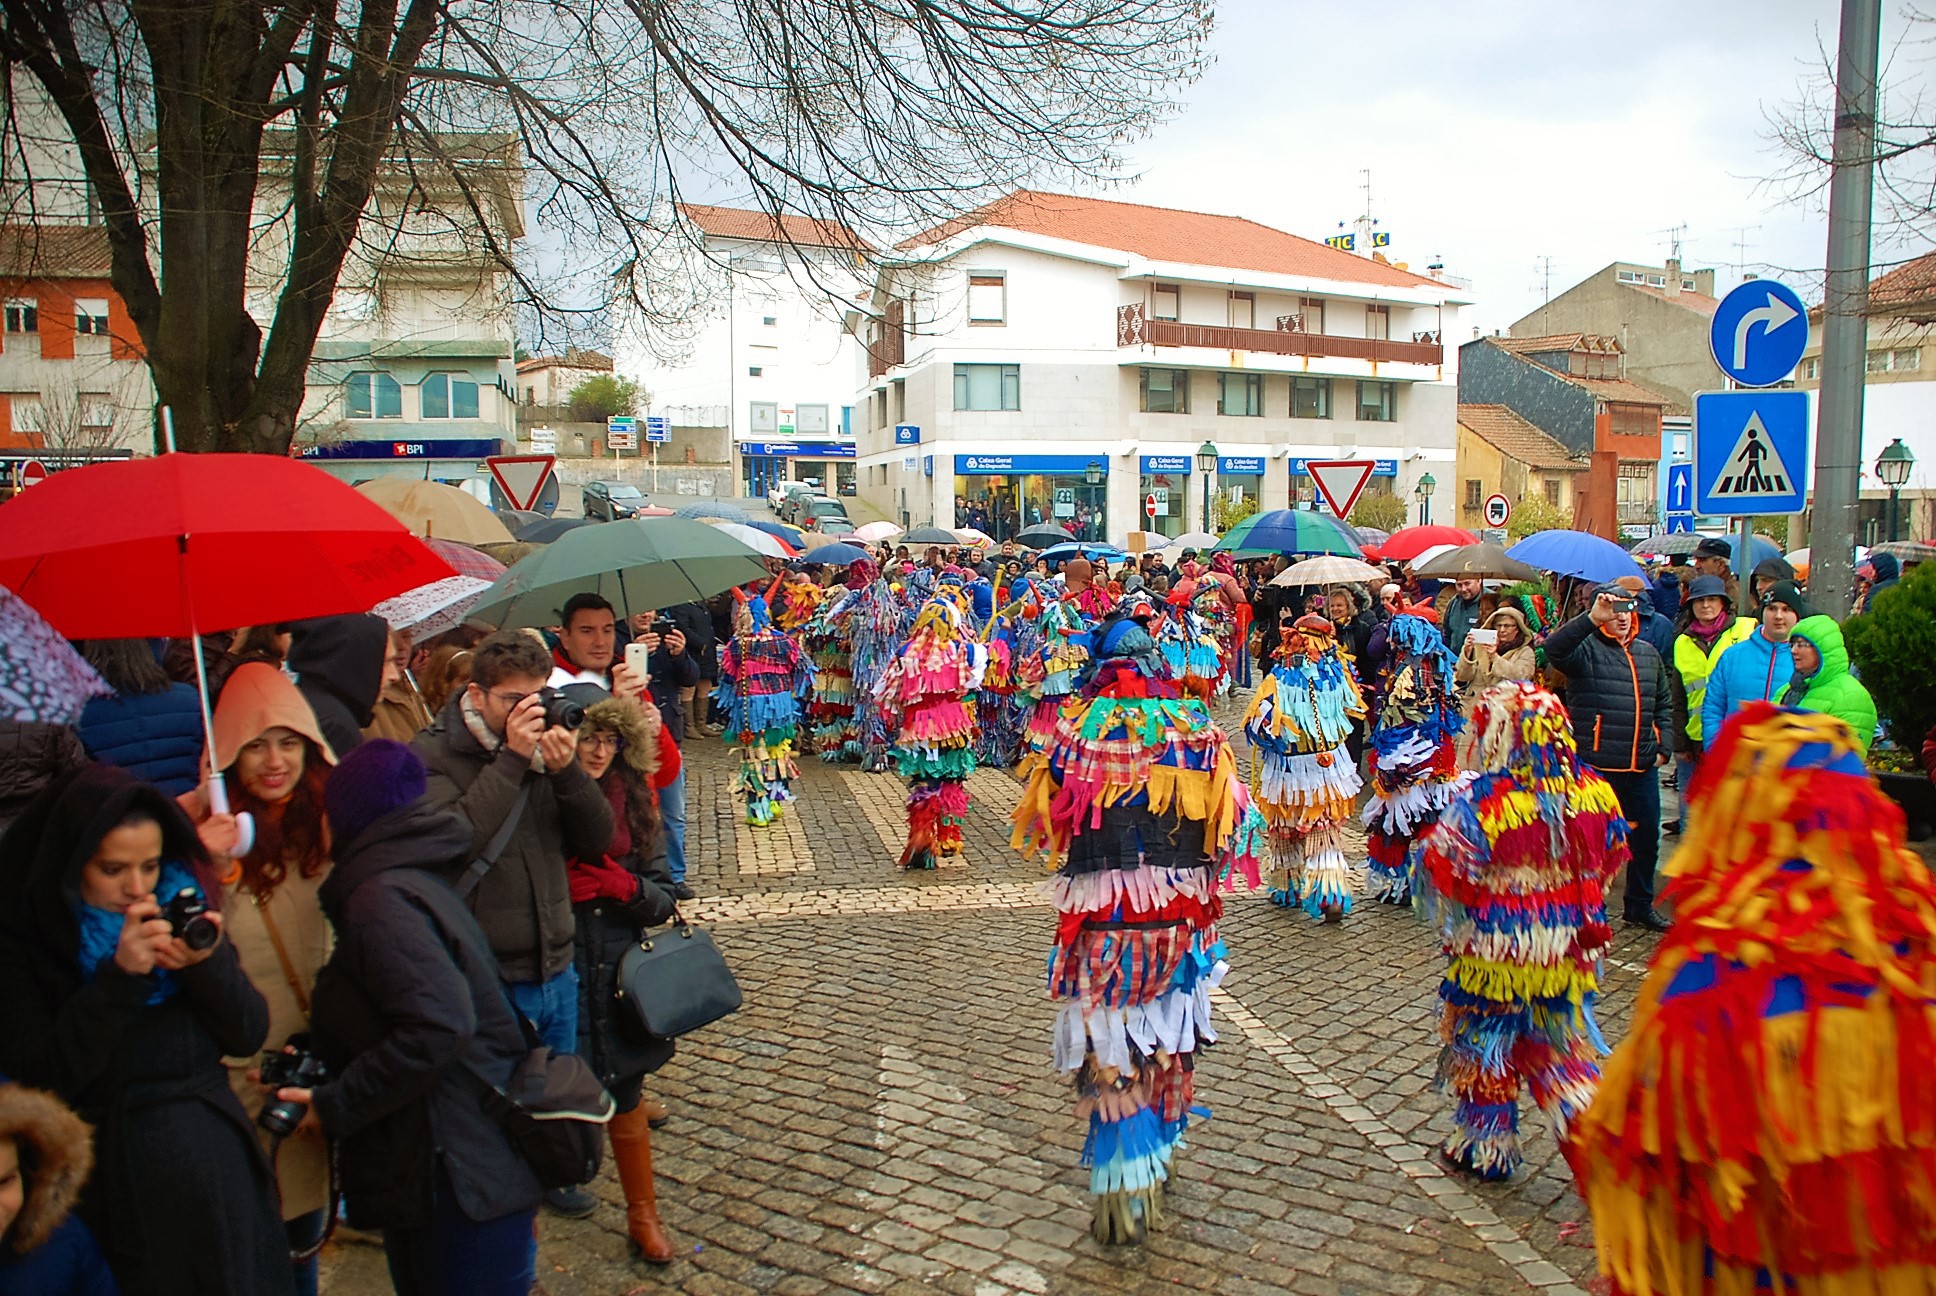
(755, 371)
(23, 315)
(1310, 397)
(1378, 323)
(987, 299)
(1243, 310)
(1166, 391)
(1657, 281)
(1377, 402)
(91, 316)
(1473, 493)
(374, 396)
(449, 396)
(1241, 394)
(1624, 419)
(988, 387)
(770, 321)
(1552, 485)
(1894, 361)
(1312, 311)
(1165, 301)
(1812, 367)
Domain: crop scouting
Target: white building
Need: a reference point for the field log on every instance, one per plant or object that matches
(1064, 358)
(773, 359)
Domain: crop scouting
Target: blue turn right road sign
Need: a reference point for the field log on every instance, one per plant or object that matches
(1759, 333)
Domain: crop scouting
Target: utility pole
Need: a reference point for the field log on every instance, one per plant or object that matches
(1845, 312)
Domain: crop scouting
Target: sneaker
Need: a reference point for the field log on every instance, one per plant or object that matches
(683, 892)
(572, 1203)
(1652, 920)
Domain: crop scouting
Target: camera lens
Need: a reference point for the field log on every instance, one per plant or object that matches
(199, 933)
(281, 1118)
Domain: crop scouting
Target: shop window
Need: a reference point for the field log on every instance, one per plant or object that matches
(449, 396)
(1166, 391)
(23, 315)
(987, 299)
(988, 387)
(374, 395)
(1311, 398)
(91, 316)
(1166, 301)
(1241, 394)
(1474, 493)
(1377, 402)
(1378, 323)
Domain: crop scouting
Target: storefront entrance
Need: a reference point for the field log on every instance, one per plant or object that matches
(1004, 495)
(761, 473)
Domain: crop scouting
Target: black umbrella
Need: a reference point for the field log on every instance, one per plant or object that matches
(1041, 537)
(928, 535)
(550, 529)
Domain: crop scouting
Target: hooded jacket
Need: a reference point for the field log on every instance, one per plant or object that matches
(411, 995)
(1888, 575)
(1832, 690)
(49, 1252)
(154, 736)
(1479, 670)
(1754, 670)
(337, 662)
(1616, 690)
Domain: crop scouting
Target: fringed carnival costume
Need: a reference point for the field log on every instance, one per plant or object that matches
(1414, 769)
(1303, 778)
(1138, 802)
(872, 613)
(1513, 876)
(1014, 643)
(925, 694)
(1063, 631)
(799, 599)
(1769, 1122)
(1219, 623)
(828, 639)
(1194, 655)
(763, 675)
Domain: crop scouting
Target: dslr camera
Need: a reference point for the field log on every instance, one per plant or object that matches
(187, 915)
(294, 1067)
(560, 712)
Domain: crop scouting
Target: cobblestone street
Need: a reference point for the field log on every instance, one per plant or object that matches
(881, 1115)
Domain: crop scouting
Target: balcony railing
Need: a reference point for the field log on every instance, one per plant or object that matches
(1135, 328)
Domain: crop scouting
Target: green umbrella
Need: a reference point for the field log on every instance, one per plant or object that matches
(638, 564)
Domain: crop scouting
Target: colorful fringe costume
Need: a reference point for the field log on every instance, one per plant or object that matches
(1514, 876)
(925, 694)
(1769, 1123)
(1302, 776)
(872, 615)
(799, 599)
(1139, 802)
(1414, 766)
(830, 711)
(1063, 631)
(763, 675)
(1014, 665)
(1194, 655)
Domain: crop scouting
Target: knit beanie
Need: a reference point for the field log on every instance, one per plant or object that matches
(380, 776)
(1787, 592)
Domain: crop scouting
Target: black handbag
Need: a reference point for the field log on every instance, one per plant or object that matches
(676, 981)
(553, 1108)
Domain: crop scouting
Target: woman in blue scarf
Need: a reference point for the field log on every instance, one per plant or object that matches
(109, 1008)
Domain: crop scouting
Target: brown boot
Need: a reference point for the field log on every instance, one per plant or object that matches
(631, 1138)
(655, 1111)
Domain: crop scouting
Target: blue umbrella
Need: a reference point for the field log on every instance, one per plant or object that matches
(42, 678)
(1575, 553)
(834, 555)
(713, 509)
(1082, 549)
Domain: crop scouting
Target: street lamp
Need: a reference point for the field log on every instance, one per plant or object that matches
(1092, 477)
(1206, 464)
(1426, 485)
(1892, 468)
(1093, 473)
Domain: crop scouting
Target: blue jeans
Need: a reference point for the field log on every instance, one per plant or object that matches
(551, 1007)
(457, 1256)
(1639, 793)
(672, 809)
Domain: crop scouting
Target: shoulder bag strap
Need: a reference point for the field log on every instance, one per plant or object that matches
(282, 956)
(495, 847)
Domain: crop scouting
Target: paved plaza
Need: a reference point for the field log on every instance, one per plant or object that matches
(881, 1115)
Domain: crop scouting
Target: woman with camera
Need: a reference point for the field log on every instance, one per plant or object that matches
(122, 998)
(614, 898)
(274, 763)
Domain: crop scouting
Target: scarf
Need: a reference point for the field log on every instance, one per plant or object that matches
(489, 739)
(101, 931)
(1705, 633)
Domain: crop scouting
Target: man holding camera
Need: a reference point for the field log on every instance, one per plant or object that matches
(1618, 695)
(500, 738)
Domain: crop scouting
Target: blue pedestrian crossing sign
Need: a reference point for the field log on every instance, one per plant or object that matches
(1750, 452)
(1759, 333)
(1680, 524)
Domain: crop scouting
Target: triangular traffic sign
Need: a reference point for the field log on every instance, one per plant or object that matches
(1754, 468)
(521, 477)
(1340, 481)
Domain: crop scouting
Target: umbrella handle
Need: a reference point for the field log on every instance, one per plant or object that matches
(218, 803)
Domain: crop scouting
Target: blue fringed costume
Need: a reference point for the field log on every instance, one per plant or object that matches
(763, 679)
(1414, 769)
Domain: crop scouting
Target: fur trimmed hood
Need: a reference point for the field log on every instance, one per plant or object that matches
(56, 1152)
(624, 717)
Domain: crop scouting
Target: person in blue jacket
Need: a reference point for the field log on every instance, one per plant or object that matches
(45, 1155)
(152, 726)
(1759, 667)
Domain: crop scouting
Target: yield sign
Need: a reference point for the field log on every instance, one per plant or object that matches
(1341, 481)
(521, 477)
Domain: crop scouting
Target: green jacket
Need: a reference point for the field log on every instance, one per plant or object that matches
(1831, 690)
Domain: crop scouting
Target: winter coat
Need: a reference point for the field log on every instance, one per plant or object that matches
(181, 1198)
(1693, 665)
(609, 1038)
(409, 998)
(157, 737)
(1666, 594)
(1655, 628)
(1456, 617)
(1754, 670)
(1480, 669)
(1617, 693)
(400, 713)
(337, 662)
(524, 902)
(1832, 690)
(49, 1251)
(33, 755)
(696, 623)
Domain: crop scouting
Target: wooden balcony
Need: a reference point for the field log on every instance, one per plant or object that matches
(1135, 328)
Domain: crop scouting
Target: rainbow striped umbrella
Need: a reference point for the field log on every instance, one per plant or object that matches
(1290, 531)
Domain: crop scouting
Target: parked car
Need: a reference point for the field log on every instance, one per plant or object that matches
(793, 509)
(838, 526)
(610, 501)
(849, 488)
(776, 496)
(820, 507)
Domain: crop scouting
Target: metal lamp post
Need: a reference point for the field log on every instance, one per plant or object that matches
(1426, 485)
(1206, 464)
(1092, 477)
(1892, 468)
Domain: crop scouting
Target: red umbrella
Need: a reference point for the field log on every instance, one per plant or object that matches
(467, 560)
(1409, 542)
(184, 542)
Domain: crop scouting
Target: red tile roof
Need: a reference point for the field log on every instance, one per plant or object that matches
(1621, 390)
(1700, 303)
(759, 227)
(1166, 234)
(1517, 439)
(1909, 285)
(54, 251)
(1589, 342)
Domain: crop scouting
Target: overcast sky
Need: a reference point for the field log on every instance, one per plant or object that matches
(1500, 132)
